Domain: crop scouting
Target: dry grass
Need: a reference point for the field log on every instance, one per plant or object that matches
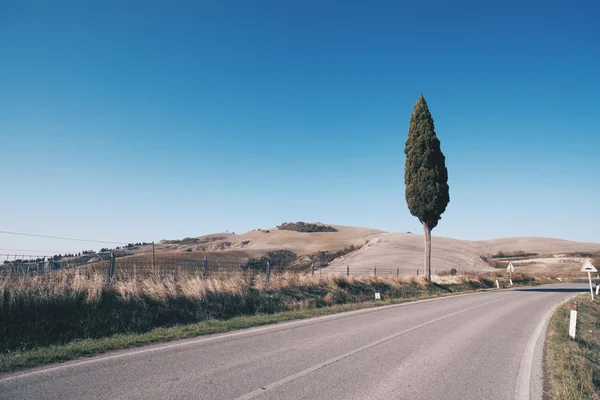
(70, 314)
(574, 365)
(73, 305)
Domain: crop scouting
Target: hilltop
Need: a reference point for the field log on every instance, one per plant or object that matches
(339, 246)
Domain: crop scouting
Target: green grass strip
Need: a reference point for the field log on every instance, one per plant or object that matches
(573, 366)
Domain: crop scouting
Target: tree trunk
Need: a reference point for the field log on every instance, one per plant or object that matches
(427, 252)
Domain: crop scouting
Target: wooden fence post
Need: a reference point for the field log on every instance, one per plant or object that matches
(268, 271)
(153, 259)
(111, 268)
(205, 266)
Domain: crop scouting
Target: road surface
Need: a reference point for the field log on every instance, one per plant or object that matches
(477, 346)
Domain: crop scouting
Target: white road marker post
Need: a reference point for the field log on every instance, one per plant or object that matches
(497, 284)
(573, 321)
(597, 288)
(377, 296)
(510, 269)
(589, 268)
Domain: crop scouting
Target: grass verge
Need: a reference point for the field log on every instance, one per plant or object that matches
(573, 366)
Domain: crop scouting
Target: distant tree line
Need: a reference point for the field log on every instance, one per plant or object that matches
(305, 227)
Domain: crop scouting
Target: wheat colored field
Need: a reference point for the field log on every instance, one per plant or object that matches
(379, 249)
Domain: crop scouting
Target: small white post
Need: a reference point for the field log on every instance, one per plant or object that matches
(497, 284)
(573, 321)
(597, 288)
(510, 280)
(591, 289)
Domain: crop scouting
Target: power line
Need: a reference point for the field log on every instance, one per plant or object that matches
(62, 238)
(37, 251)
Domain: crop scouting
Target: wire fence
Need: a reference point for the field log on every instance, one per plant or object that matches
(139, 266)
(386, 271)
(120, 267)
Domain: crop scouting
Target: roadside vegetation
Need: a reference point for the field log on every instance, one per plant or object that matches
(514, 254)
(573, 366)
(285, 259)
(425, 174)
(305, 227)
(69, 314)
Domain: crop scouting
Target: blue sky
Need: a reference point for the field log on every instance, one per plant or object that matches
(140, 121)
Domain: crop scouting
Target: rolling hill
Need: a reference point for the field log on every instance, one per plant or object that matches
(370, 248)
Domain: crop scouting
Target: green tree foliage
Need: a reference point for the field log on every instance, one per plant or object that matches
(305, 227)
(425, 174)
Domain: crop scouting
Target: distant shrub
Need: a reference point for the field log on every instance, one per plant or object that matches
(498, 264)
(277, 258)
(582, 254)
(211, 239)
(189, 240)
(189, 250)
(453, 272)
(305, 227)
(325, 257)
(519, 253)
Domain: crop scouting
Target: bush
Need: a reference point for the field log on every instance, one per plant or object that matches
(325, 257)
(453, 272)
(305, 227)
(277, 258)
(518, 253)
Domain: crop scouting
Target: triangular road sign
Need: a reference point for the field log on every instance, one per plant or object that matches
(510, 268)
(588, 267)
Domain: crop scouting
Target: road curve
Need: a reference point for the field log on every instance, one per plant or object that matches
(485, 345)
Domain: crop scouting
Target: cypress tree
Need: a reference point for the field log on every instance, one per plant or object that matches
(425, 174)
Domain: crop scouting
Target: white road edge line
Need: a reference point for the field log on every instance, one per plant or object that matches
(314, 368)
(190, 342)
(523, 386)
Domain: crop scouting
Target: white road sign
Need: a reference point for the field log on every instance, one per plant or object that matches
(510, 268)
(588, 267)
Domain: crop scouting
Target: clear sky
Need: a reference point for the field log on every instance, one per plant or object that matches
(140, 121)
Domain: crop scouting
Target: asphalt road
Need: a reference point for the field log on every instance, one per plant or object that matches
(478, 346)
